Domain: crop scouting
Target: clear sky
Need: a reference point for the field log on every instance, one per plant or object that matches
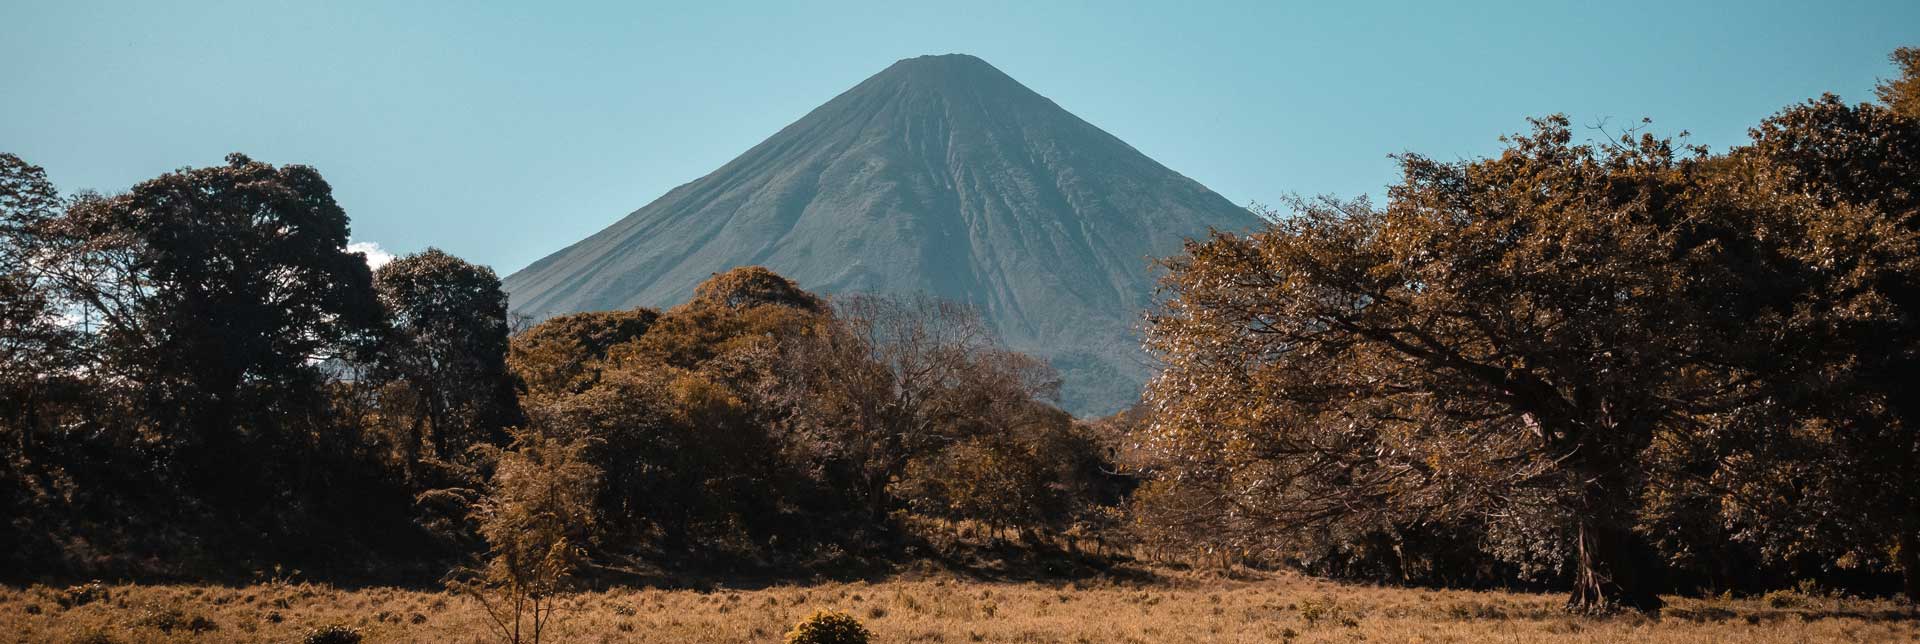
(502, 131)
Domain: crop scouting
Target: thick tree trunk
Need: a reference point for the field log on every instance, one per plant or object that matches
(1606, 576)
(1611, 570)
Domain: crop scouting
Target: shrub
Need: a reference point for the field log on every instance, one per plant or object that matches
(828, 627)
(93, 637)
(1312, 611)
(331, 634)
(1784, 599)
(537, 517)
(83, 594)
(170, 618)
(1475, 610)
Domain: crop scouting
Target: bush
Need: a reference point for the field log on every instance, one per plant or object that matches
(170, 618)
(333, 634)
(1313, 611)
(828, 627)
(1784, 599)
(83, 594)
(93, 637)
(537, 517)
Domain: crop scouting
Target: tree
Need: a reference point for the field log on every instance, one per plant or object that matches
(446, 355)
(1027, 467)
(35, 347)
(169, 351)
(1506, 338)
(1836, 473)
(877, 386)
(674, 404)
(565, 354)
(1902, 95)
(215, 292)
(537, 518)
(920, 409)
(749, 286)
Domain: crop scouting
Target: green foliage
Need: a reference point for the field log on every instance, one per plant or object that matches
(829, 627)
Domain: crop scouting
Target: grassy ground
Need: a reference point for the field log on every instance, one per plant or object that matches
(1173, 608)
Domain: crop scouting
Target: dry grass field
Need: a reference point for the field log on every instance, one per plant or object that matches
(1175, 608)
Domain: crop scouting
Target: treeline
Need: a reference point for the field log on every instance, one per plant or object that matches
(1628, 366)
(201, 380)
(1623, 367)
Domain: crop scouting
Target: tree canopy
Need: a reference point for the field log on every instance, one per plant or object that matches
(1575, 343)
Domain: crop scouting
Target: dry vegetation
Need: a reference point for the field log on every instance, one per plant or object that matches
(1178, 608)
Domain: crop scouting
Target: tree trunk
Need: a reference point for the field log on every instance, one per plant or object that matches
(29, 419)
(410, 450)
(1908, 556)
(1607, 573)
(1907, 542)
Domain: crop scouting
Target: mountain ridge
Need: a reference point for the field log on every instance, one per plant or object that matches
(939, 174)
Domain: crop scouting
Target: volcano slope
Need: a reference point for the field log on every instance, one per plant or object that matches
(939, 175)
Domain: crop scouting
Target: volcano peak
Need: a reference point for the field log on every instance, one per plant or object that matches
(940, 174)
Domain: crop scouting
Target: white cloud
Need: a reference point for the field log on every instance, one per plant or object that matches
(376, 256)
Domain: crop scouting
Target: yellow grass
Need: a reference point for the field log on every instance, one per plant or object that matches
(1180, 608)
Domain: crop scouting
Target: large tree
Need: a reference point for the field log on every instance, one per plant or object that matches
(1836, 475)
(174, 350)
(35, 346)
(215, 292)
(1503, 341)
(672, 407)
(445, 359)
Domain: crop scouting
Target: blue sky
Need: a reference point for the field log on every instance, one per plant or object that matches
(503, 131)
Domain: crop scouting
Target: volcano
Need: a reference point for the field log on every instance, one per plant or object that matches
(941, 175)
